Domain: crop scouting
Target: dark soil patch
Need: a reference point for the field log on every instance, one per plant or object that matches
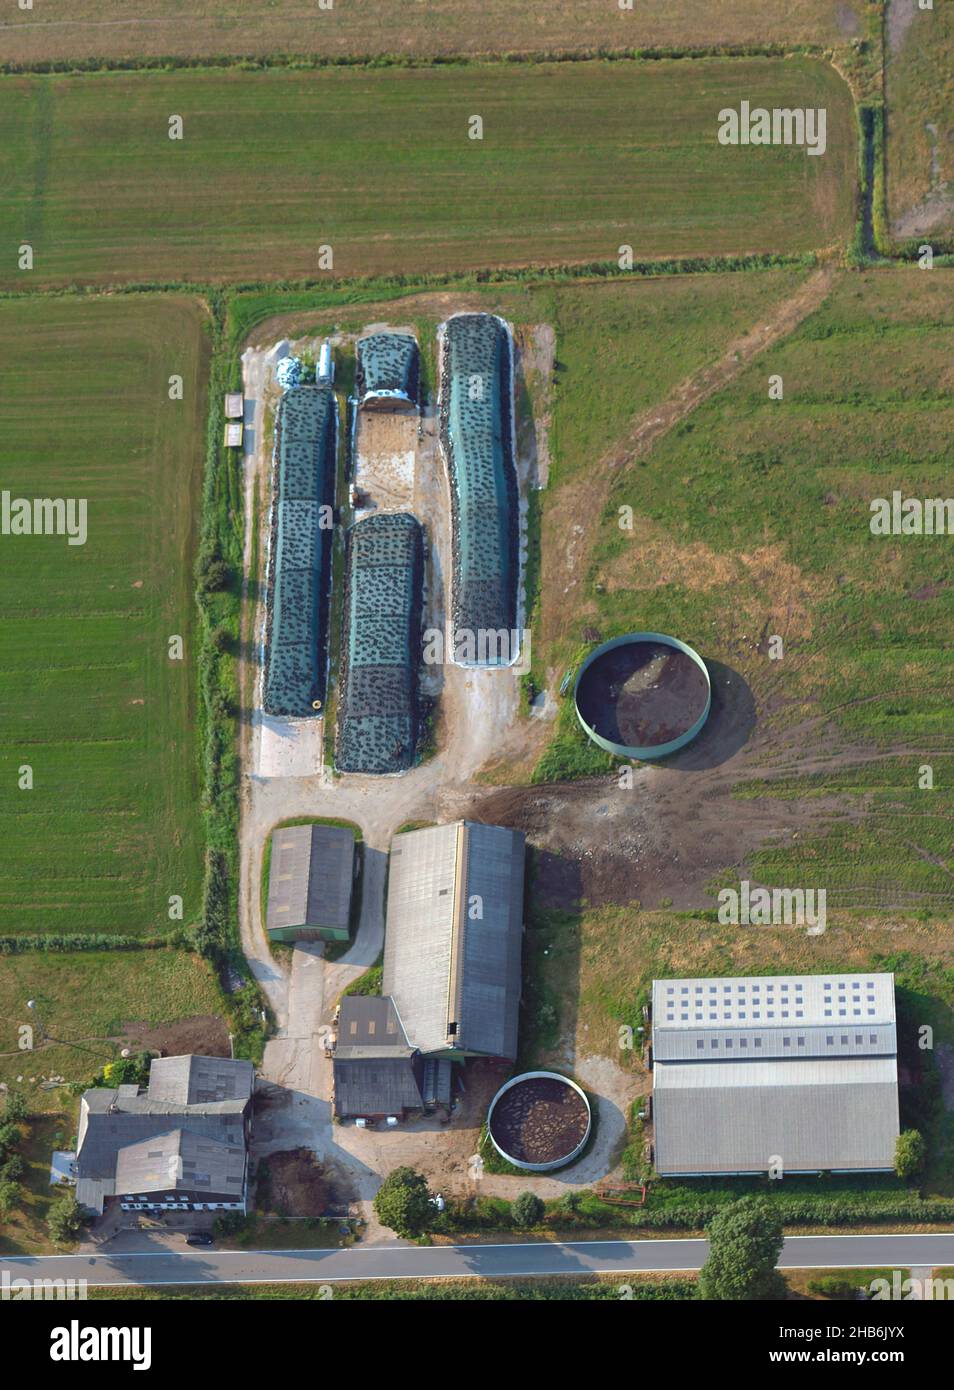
(293, 1184)
(539, 1120)
(202, 1034)
(642, 694)
(660, 841)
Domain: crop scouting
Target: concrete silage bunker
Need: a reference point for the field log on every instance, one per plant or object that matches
(644, 695)
(387, 371)
(476, 432)
(299, 565)
(539, 1121)
(378, 712)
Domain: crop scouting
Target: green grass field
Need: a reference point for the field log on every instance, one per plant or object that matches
(919, 78)
(754, 520)
(88, 696)
(85, 998)
(84, 28)
(575, 161)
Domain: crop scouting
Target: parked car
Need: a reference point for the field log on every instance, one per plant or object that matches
(199, 1238)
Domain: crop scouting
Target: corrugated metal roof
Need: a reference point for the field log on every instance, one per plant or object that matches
(310, 877)
(377, 1085)
(773, 999)
(369, 1023)
(795, 1040)
(105, 1134)
(199, 1100)
(799, 1067)
(742, 1129)
(181, 1160)
(193, 1080)
(453, 943)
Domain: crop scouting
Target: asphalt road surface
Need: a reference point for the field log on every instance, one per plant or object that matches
(210, 1266)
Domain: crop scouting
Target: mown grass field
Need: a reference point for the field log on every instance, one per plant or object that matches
(85, 998)
(919, 77)
(753, 520)
(96, 28)
(576, 160)
(89, 698)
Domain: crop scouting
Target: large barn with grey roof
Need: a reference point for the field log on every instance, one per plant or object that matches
(454, 932)
(799, 1071)
(451, 986)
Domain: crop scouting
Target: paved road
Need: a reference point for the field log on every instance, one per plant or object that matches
(196, 1266)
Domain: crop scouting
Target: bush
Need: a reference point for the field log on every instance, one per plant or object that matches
(232, 1223)
(527, 1210)
(212, 936)
(833, 1286)
(9, 1195)
(910, 1153)
(125, 1071)
(65, 1218)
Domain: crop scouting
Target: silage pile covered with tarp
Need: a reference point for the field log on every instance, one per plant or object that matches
(387, 364)
(476, 434)
(300, 552)
(378, 715)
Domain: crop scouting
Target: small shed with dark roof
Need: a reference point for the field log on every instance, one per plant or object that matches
(311, 874)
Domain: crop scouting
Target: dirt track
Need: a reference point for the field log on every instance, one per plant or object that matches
(568, 559)
(663, 838)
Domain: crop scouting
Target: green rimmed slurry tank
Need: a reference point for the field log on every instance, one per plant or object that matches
(643, 696)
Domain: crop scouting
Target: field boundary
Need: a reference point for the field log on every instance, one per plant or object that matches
(304, 62)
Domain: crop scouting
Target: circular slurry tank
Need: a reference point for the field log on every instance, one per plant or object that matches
(539, 1121)
(643, 695)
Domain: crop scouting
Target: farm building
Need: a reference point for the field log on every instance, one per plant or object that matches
(797, 1070)
(476, 430)
(377, 718)
(300, 552)
(377, 1073)
(180, 1145)
(309, 884)
(453, 942)
(387, 370)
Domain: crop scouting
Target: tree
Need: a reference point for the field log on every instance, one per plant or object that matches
(214, 577)
(527, 1210)
(403, 1203)
(65, 1218)
(9, 1192)
(15, 1108)
(910, 1153)
(745, 1241)
(9, 1138)
(11, 1170)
